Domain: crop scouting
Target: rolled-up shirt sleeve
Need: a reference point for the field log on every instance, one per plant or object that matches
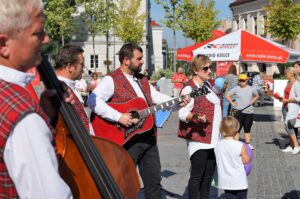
(98, 98)
(184, 111)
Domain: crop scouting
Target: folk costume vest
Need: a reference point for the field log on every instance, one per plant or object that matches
(123, 91)
(15, 104)
(196, 130)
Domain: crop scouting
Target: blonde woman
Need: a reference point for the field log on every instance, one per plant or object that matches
(199, 125)
(290, 108)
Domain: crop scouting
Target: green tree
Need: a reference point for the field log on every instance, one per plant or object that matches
(98, 19)
(130, 22)
(197, 20)
(172, 9)
(60, 23)
(283, 19)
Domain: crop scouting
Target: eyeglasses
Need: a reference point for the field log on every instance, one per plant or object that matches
(205, 69)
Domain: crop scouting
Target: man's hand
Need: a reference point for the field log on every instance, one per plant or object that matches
(127, 120)
(47, 103)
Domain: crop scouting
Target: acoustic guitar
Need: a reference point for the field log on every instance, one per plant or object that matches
(139, 109)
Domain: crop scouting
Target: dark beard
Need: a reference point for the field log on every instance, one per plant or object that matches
(135, 70)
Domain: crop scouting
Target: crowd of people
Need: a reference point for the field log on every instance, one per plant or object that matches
(29, 165)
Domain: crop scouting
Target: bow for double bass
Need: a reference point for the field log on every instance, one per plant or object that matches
(92, 167)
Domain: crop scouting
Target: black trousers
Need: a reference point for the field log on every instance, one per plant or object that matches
(144, 152)
(203, 163)
(240, 194)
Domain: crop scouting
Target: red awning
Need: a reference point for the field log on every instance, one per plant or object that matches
(186, 54)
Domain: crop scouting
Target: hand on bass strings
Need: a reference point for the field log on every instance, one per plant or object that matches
(47, 103)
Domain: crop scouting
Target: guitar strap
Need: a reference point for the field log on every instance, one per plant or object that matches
(138, 82)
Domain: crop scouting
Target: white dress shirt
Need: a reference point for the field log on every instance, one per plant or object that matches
(29, 155)
(71, 84)
(194, 146)
(105, 90)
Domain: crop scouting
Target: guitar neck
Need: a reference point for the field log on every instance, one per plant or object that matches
(145, 112)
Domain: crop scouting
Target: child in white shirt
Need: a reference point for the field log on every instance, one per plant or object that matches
(231, 155)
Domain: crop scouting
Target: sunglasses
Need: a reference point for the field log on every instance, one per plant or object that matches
(205, 69)
(242, 80)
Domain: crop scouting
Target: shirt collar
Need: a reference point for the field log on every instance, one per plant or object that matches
(69, 82)
(14, 76)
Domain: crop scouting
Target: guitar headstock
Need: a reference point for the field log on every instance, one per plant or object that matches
(203, 90)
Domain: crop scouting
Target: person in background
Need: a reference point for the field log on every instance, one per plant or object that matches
(120, 86)
(29, 166)
(258, 84)
(296, 65)
(231, 82)
(162, 77)
(231, 156)
(69, 65)
(94, 82)
(178, 79)
(199, 125)
(290, 108)
(245, 96)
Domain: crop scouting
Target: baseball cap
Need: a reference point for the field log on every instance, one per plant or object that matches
(243, 77)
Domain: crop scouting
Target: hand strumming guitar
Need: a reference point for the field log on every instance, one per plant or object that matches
(127, 120)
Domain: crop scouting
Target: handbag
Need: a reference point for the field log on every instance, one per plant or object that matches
(237, 112)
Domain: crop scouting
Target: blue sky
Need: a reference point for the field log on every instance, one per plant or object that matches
(157, 14)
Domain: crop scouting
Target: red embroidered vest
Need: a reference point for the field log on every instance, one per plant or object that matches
(195, 130)
(123, 91)
(15, 104)
(78, 106)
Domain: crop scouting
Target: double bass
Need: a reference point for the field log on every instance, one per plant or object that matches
(91, 166)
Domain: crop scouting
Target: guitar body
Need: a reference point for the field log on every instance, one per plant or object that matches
(116, 132)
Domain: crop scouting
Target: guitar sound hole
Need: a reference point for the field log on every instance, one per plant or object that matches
(135, 115)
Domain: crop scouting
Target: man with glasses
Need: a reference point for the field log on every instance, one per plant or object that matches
(246, 96)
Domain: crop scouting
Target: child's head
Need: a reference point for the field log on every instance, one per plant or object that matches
(229, 126)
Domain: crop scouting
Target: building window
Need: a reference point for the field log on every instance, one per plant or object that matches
(255, 25)
(92, 61)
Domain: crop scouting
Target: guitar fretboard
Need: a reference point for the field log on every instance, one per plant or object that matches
(145, 112)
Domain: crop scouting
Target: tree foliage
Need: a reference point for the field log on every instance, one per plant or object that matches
(130, 22)
(172, 9)
(60, 23)
(172, 14)
(283, 19)
(98, 16)
(197, 20)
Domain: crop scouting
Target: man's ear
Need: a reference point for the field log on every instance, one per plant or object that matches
(70, 68)
(126, 61)
(4, 50)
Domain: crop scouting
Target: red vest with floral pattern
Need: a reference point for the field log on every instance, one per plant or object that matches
(195, 130)
(15, 104)
(123, 91)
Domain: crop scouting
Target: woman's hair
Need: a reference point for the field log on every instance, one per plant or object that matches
(229, 126)
(94, 73)
(294, 72)
(15, 14)
(232, 69)
(199, 62)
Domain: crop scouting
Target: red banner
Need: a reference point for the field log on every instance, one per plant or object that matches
(222, 67)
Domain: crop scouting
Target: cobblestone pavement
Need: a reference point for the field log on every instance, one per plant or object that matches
(274, 174)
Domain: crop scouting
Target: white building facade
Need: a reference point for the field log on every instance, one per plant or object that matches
(248, 15)
(151, 45)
